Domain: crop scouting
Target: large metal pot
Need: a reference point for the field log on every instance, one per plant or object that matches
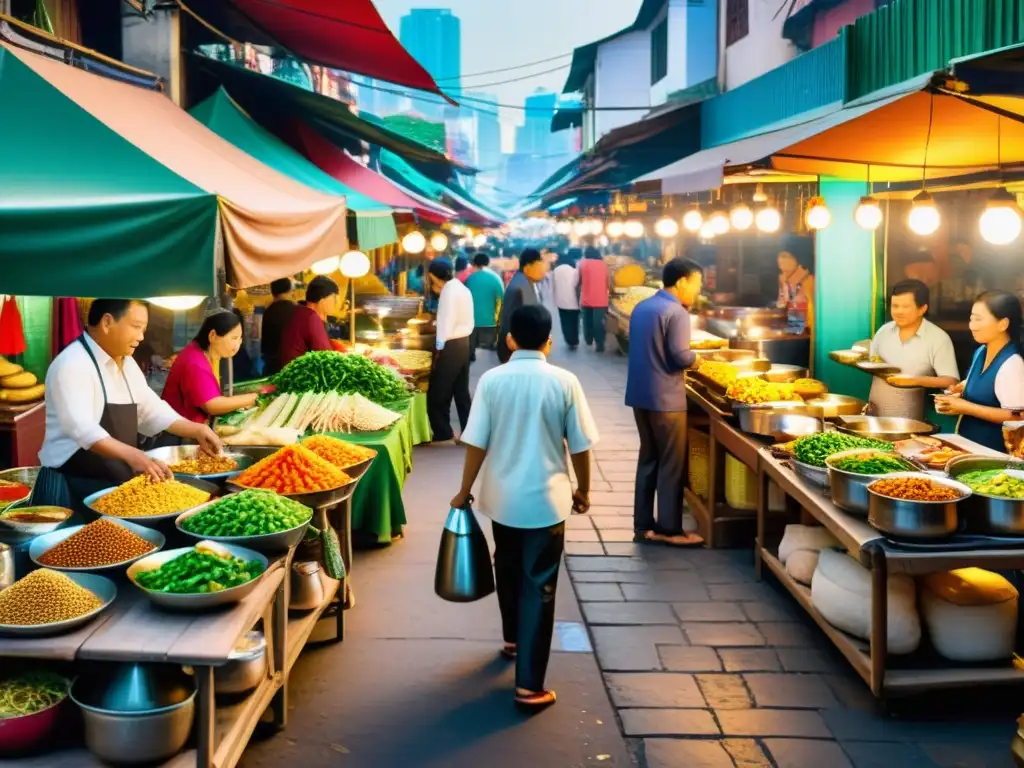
(785, 374)
(849, 490)
(833, 406)
(782, 421)
(884, 428)
(245, 670)
(906, 519)
(984, 513)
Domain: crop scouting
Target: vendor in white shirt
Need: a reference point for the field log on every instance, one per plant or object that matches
(920, 349)
(449, 378)
(98, 403)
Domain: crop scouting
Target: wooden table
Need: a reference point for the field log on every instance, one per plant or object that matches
(720, 524)
(885, 676)
(24, 427)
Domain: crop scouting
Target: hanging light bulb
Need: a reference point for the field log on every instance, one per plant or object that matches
(563, 227)
(719, 222)
(581, 228)
(759, 194)
(868, 214)
(177, 303)
(818, 215)
(595, 226)
(602, 241)
(439, 241)
(741, 217)
(414, 242)
(354, 264)
(615, 229)
(325, 266)
(692, 220)
(768, 219)
(924, 218)
(634, 229)
(666, 228)
(1001, 222)
(480, 240)
(707, 231)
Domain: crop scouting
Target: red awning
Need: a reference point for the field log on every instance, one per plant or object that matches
(347, 35)
(335, 162)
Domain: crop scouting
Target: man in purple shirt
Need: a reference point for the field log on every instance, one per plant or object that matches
(659, 353)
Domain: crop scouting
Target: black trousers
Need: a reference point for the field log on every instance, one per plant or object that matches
(570, 319)
(449, 379)
(526, 562)
(593, 326)
(482, 337)
(659, 470)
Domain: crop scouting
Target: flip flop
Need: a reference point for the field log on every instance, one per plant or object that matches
(676, 540)
(535, 702)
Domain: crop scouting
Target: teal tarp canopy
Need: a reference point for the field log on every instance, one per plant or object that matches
(83, 212)
(375, 224)
(401, 172)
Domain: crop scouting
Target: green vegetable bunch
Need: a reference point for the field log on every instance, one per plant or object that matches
(993, 482)
(249, 513)
(340, 372)
(871, 465)
(199, 573)
(26, 693)
(814, 449)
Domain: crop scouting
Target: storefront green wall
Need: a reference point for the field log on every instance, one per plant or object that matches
(843, 265)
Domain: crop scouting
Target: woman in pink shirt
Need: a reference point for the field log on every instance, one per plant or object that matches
(593, 296)
(193, 388)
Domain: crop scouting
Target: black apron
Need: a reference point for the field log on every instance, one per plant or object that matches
(87, 472)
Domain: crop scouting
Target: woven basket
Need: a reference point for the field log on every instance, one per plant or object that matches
(740, 485)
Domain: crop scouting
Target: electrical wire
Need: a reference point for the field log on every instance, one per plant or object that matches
(504, 69)
(520, 79)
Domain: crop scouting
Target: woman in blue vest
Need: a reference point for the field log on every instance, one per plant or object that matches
(994, 389)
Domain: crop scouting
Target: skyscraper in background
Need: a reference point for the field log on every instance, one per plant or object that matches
(434, 37)
(488, 129)
(534, 136)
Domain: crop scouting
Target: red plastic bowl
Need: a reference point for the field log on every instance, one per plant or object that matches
(26, 733)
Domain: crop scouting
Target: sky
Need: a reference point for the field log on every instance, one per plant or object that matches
(497, 34)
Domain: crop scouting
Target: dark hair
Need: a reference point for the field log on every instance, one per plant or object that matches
(320, 288)
(1005, 306)
(531, 326)
(922, 296)
(281, 287)
(590, 252)
(481, 259)
(679, 269)
(574, 254)
(116, 308)
(461, 262)
(566, 259)
(528, 257)
(222, 322)
(441, 269)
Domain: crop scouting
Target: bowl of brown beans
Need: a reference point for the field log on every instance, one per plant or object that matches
(100, 545)
(46, 602)
(144, 502)
(915, 505)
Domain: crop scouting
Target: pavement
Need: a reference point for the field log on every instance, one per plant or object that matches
(695, 664)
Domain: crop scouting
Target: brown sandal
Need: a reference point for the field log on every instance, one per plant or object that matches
(677, 540)
(535, 702)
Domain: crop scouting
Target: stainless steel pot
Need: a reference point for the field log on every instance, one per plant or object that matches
(782, 421)
(785, 374)
(306, 589)
(833, 406)
(884, 428)
(849, 490)
(984, 513)
(906, 519)
(245, 670)
(817, 476)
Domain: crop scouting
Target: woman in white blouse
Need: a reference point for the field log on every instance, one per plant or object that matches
(993, 391)
(566, 279)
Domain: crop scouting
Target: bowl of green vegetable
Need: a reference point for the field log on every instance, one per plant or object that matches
(850, 473)
(261, 520)
(810, 452)
(207, 575)
(996, 506)
(30, 709)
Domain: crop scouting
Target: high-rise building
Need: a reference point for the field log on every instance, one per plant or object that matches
(534, 136)
(434, 38)
(484, 106)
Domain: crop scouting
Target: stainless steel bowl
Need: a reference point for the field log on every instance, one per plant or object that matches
(984, 513)
(43, 544)
(785, 374)
(152, 520)
(907, 519)
(849, 490)
(246, 668)
(814, 475)
(194, 601)
(886, 428)
(782, 421)
(326, 498)
(173, 454)
(877, 369)
(60, 516)
(280, 541)
(833, 406)
(131, 735)
(100, 586)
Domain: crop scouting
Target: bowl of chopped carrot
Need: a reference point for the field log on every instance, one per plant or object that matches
(352, 458)
(298, 473)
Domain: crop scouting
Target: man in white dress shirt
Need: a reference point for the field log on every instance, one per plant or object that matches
(525, 414)
(98, 403)
(449, 378)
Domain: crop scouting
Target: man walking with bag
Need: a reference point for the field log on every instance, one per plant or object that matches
(524, 415)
